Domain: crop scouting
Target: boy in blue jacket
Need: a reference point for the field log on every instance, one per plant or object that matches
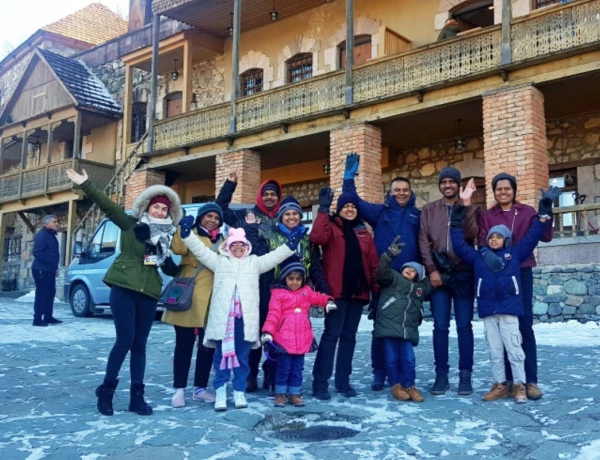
(497, 269)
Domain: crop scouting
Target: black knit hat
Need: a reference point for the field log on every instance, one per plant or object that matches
(449, 173)
(291, 264)
(505, 176)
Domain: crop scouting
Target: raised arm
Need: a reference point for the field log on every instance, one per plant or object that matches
(534, 235)
(384, 273)
(178, 246)
(471, 212)
(368, 211)
(206, 257)
(231, 217)
(273, 258)
(465, 252)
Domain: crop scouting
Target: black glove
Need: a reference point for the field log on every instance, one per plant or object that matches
(494, 262)
(457, 215)
(395, 248)
(141, 232)
(186, 225)
(169, 267)
(548, 197)
(325, 199)
(373, 306)
(295, 237)
(461, 283)
(442, 262)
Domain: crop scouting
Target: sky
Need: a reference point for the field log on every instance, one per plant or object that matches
(19, 19)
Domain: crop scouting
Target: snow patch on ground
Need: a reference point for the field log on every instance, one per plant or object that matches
(590, 452)
(30, 298)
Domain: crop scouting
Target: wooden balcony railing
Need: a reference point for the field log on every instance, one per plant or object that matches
(578, 220)
(50, 178)
(542, 33)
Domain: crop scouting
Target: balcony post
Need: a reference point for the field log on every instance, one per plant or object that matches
(49, 143)
(506, 25)
(186, 101)
(349, 92)
(3, 219)
(151, 117)
(235, 65)
(1, 155)
(71, 220)
(24, 150)
(77, 136)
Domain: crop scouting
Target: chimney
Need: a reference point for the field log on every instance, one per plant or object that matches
(140, 13)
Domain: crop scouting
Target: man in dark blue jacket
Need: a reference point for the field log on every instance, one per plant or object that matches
(45, 271)
(398, 216)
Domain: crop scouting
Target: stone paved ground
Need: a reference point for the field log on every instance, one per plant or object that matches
(47, 405)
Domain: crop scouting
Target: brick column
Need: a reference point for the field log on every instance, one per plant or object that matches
(514, 127)
(364, 139)
(247, 164)
(140, 181)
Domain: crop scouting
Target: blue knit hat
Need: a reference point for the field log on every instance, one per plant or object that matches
(418, 267)
(289, 203)
(346, 198)
(503, 231)
(289, 265)
(449, 173)
(209, 207)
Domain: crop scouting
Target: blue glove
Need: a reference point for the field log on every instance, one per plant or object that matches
(494, 262)
(352, 163)
(295, 237)
(186, 224)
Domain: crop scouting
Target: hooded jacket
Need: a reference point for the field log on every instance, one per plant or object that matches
(390, 220)
(128, 270)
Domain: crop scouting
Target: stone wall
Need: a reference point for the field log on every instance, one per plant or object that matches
(208, 82)
(307, 193)
(574, 138)
(563, 293)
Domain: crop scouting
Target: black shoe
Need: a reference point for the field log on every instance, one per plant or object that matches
(348, 391)
(53, 320)
(441, 385)
(137, 403)
(378, 383)
(465, 385)
(105, 393)
(251, 385)
(321, 394)
(39, 322)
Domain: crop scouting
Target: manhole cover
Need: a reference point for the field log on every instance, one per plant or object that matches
(315, 434)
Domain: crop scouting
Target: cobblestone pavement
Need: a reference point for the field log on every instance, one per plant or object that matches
(47, 404)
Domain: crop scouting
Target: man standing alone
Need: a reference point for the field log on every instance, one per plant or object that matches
(45, 271)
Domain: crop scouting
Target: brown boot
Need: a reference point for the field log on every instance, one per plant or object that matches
(280, 400)
(533, 391)
(400, 393)
(520, 393)
(415, 395)
(297, 401)
(498, 391)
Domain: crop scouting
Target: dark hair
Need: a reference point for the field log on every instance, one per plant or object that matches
(399, 179)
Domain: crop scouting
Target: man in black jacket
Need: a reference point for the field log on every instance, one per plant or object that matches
(45, 271)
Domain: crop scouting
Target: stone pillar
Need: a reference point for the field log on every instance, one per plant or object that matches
(247, 164)
(514, 127)
(364, 139)
(140, 181)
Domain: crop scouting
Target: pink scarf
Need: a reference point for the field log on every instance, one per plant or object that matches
(230, 360)
(212, 234)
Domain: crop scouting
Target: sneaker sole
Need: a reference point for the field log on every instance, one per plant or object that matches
(242, 406)
(220, 409)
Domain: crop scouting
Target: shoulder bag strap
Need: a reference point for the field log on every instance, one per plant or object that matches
(213, 248)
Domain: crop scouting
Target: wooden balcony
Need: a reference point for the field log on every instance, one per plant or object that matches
(578, 220)
(571, 27)
(50, 178)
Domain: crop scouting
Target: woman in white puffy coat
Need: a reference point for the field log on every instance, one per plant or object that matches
(233, 319)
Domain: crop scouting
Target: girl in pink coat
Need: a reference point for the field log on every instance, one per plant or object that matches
(288, 328)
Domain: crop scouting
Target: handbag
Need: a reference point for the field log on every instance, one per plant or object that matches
(179, 293)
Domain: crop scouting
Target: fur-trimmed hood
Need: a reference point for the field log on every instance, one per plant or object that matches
(141, 203)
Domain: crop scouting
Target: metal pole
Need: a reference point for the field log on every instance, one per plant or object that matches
(235, 64)
(154, 82)
(506, 24)
(349, 92)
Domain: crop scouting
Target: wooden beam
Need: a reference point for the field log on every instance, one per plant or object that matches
(187, 77)
(506, 25)
(27, 222)
(235, 64)
(49, 144)
(127, 96)
(1, 160)
(151, 115)
(3, 219)
(24, 151)
(77, 136)
(349, 92)
(71, 221)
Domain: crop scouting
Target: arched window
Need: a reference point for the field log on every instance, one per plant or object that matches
(362, 50)
(299, 67)
(173, 103)
(251, 82)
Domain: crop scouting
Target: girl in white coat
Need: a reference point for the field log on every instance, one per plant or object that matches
(233, 318)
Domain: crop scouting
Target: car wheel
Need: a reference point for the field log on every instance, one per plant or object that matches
(81, 301)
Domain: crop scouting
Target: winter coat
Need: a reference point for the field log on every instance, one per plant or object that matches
(400, 307)
(128, 270)
(45, 251)
(198, 313)
(499, 293)
(390, 220)
(229, 273)
(435, 233)
(328, 233)
(517, 220)
(288, 319)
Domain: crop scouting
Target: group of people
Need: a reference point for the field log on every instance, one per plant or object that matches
(254, 288)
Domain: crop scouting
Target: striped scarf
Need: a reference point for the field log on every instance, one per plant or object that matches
(161, 235)
(229, 360)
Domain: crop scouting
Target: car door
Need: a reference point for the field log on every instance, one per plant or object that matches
(99, 256)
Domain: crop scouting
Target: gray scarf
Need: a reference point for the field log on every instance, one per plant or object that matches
(161, 235)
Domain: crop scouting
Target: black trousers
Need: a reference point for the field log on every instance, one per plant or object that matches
(45, 291)
(133, 314)
(185, 339)
(341, 326)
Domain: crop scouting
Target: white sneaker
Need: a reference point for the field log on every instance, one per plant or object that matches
(202, 394)
(239, 398)
(221, 399)
(178, 399)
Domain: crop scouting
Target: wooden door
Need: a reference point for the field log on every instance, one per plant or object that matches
(174, 105)
(362, 52)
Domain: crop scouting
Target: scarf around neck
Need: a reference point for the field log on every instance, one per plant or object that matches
(354, 281)
(161, 235)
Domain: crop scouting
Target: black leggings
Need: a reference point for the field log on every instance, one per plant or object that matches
(185, 338)
(133, 314)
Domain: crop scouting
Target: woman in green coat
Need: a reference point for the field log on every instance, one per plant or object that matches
(136, 284)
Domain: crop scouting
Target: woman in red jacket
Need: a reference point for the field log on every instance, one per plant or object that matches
(349, 262)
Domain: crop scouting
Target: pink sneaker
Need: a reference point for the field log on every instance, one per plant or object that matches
(201, 394)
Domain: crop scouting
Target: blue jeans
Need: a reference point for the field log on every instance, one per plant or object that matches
(441, 304)
(526, 327)
(242, 351)
(400, 361)
(378, 362)
(288, 378)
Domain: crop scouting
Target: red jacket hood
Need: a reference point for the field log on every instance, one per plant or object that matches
(259, 203)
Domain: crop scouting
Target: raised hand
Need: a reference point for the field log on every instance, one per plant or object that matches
(325, 199)
(547, 199)
(352, 163)
(186, 224)
(233, 177)
(251, 219)
(467, 193)
(395, 248)
(76, 177)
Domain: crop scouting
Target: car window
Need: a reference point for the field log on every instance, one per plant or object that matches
(109, 238)
(96, 243)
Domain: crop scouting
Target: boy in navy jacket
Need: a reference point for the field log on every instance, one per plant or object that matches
(497, 269)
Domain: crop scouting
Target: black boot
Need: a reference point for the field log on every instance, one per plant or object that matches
(465, 386)
(441, 385)
(105, 393)
(137, 403)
